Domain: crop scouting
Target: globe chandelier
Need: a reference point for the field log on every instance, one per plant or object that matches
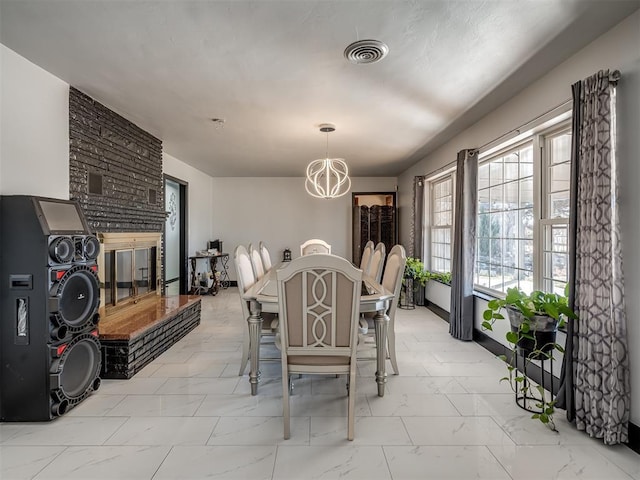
(327, 177)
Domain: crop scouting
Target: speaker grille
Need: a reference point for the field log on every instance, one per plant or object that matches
(91, 247)
(75, 298)
(79, 366)
(61, 249)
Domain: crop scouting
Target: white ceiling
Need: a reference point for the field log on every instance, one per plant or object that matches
(274, 70)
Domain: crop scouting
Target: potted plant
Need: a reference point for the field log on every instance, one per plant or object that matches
(442, 277)
(534, 319)
(414, 270)
(414, 276)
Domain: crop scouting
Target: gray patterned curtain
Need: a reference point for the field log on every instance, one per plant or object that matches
(464, 246)
(417, 225)
(596, 386)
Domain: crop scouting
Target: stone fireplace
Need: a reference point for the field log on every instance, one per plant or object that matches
(129, 268)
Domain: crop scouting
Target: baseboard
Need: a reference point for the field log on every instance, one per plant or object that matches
(634, 438)
(441, 312)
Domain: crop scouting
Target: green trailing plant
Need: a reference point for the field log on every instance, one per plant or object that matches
(534, 319)
(442, 277)
(414, 269)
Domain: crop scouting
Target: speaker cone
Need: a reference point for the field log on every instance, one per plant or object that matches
(79, 366)
(91, 247)
(76, 297)
(61, 250)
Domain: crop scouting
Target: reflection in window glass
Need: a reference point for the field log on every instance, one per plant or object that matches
(508, 195)
(514, 248)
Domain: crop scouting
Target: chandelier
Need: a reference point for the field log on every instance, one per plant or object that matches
(327, 177)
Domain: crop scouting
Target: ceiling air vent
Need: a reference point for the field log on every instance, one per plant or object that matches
(366, 51)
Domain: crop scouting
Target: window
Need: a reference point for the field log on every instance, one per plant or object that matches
(523, 210)
(441, 215)
(555, 211)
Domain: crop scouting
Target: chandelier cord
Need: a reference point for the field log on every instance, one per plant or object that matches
(327, 152)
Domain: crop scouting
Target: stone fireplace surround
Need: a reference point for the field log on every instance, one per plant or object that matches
(115, 173)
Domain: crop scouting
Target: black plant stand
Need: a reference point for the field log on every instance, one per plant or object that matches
(523, 400)
(407, 299)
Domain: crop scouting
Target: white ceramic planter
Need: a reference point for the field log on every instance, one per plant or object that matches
(438, 294)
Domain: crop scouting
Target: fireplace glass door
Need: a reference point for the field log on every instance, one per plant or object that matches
(129, 274)
(124, 275)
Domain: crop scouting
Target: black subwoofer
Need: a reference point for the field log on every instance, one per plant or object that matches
(49, 294)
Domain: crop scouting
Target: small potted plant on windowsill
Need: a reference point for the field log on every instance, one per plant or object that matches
(534, 319)
(442, 277)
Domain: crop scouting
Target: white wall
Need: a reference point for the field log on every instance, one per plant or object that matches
(617, 49)
(34, 129)
(281, 213)
(200, 195)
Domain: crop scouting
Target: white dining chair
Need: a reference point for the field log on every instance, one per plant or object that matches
(391, 281)
(246, 278)
(374, 269)
(256, 262)
(319, 300)
(367, 252)
(266, 257)
(314, 245)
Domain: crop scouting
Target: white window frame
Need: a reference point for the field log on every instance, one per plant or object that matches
(546, 280)
(429, 213)
(539, 137)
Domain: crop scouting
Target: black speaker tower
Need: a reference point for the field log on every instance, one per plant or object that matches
(49, 299)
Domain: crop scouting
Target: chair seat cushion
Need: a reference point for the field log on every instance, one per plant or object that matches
(317, 360)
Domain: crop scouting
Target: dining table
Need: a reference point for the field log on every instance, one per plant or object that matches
(263, 297)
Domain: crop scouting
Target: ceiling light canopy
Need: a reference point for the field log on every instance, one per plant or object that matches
(366, 51)
(327, 177)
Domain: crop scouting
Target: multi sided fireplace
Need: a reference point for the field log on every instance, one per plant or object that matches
(129, 268)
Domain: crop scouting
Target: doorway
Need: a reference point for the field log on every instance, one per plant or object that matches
(174, 243)
(374, 217)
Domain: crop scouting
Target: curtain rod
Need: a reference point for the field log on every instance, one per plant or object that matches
(439, 170)
(522, 127)
(614, 76)
(512, 131)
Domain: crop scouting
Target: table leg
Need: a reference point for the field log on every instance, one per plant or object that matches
(381, 321)
(255, 327)
(194, 284)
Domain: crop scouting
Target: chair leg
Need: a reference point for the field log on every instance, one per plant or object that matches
(285, 405)
(245, 352)
(391, 347)
(352, 404)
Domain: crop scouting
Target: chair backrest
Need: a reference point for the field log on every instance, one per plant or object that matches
(374, 269)
(266, 257)
(393, 273)
(245, 276)
(256, 261)
(366, 256)
(314, 245)
(319, 305)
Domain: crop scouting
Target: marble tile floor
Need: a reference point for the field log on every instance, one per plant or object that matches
(188, 415)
